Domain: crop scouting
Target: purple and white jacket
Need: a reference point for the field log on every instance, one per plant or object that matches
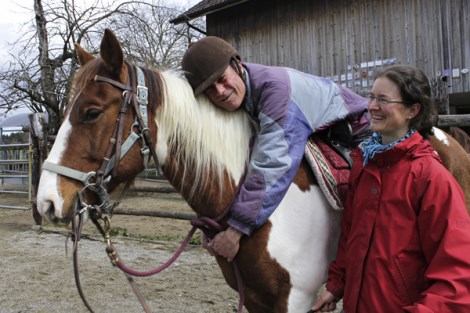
(288, 106)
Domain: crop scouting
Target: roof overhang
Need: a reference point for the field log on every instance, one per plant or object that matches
(204, 8)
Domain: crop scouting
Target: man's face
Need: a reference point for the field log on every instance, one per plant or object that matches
(228, 91)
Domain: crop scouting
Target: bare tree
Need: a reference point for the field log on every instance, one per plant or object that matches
(148, 38)
(39, 77)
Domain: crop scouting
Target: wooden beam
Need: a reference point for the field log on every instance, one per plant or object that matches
(164, 214)
(460, 120)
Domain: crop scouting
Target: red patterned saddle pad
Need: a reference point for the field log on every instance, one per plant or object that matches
(330, 169)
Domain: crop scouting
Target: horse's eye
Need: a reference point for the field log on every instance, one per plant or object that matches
(91, 115)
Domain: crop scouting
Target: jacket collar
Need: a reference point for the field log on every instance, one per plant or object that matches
(247, 101)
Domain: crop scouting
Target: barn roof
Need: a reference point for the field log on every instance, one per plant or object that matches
(203, 8)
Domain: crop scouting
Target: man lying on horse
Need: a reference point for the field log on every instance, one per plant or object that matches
(286, 107)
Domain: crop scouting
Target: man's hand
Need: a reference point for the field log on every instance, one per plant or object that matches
(205, 244)
(226, 243)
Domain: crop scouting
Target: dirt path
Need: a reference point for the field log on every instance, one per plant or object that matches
(37, 276)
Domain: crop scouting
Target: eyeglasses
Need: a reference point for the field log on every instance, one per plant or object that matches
(383, 101)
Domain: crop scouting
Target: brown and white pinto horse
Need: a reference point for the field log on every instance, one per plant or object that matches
(203, 152)
(455, 158)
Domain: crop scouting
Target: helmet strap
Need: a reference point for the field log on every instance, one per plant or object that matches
(235, 63)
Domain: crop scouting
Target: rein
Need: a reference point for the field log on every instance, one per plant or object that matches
(137, 97)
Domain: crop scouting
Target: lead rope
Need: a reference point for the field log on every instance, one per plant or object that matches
(205, 224)
(105, 233)
(209, 227)
(95, 213)
(76, 234)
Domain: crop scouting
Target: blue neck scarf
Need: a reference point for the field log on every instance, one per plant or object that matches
(373, 145)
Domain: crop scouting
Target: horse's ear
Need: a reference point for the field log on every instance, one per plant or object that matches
(83, 55)
(111, 53)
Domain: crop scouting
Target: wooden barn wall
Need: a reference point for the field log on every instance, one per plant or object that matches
(347, 39)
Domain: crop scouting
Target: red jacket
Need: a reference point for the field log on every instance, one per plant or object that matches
(405, 243)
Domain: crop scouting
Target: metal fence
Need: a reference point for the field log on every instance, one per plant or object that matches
(15, 172)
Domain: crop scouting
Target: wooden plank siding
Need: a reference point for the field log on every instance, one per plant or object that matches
(347, 39)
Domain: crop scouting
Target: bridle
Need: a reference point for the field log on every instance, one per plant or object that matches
(134, 95)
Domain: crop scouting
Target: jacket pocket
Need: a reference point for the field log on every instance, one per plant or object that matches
(408, 273)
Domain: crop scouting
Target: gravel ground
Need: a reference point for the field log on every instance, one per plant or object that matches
(38, 275)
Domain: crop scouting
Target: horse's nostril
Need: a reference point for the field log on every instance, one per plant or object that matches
(54, 216)
(51, 208)
(49, 211)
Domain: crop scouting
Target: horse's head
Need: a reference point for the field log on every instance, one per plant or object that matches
(100, 139)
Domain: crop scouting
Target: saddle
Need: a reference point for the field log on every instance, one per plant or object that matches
(327, 153)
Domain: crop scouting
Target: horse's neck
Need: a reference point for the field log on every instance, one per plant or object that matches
(205, 146)
(210, 199)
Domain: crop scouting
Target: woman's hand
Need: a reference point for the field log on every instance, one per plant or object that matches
(326, 302)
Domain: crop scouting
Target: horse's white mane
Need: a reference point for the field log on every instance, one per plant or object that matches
(205, 136)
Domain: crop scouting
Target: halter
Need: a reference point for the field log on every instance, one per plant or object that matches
(135, 96)
(139, 100)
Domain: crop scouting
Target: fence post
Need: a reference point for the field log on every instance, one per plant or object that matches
(440, 95)
(38, 137)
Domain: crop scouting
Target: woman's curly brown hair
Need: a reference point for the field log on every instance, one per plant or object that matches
(414, 87)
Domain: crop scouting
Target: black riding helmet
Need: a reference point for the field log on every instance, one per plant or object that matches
(205, 60)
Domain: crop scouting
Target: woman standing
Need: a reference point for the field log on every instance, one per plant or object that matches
(405, 232)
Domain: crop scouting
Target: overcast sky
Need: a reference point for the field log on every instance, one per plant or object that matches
(14, 13)
(12, 16)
